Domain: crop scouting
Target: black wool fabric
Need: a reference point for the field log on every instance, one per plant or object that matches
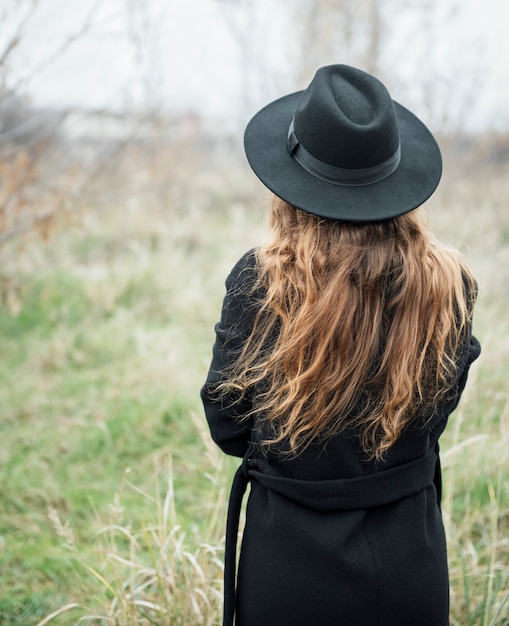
(330, 537)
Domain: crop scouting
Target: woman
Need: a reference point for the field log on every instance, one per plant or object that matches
(343, 346)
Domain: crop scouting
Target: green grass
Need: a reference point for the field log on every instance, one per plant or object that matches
(102, 361)
(113, 498)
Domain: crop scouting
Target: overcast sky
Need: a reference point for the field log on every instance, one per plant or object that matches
(226, 58)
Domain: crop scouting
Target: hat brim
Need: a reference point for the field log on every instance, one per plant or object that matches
(410, 185)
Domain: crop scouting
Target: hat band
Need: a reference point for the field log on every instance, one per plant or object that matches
(340, 175)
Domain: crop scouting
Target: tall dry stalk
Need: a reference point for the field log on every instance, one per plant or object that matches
(156, 572)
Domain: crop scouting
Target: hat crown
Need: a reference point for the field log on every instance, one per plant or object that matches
(346, 118)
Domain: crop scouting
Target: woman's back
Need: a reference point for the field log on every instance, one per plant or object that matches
(331, 532)
(343, 346)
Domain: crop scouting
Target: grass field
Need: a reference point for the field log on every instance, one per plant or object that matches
(113, 499)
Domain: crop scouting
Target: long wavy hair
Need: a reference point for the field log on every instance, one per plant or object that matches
(358, 327)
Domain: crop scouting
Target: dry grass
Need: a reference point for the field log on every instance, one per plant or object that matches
(107, 465)
(157, 572)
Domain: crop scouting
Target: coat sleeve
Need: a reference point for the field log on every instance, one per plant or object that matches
(471, 349)
(224, 416)
(469, 354)
(473, 352)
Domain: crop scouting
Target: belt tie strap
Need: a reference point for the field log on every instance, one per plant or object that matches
(238, 490)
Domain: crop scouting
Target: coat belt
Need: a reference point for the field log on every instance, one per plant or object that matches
(344, 494)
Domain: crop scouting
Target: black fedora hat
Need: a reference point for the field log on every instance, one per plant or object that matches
(343, 149)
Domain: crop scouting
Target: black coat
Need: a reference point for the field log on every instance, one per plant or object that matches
(330, 537)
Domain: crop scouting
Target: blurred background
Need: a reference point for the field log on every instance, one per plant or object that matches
(81, 85)
(125, 198)
(87, 88)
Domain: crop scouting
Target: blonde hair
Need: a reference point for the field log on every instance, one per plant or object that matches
(358, 326)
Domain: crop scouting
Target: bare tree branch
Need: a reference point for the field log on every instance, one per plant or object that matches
(87, 24)
(14, 42)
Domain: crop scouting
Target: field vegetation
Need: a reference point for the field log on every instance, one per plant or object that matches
(113, 497)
